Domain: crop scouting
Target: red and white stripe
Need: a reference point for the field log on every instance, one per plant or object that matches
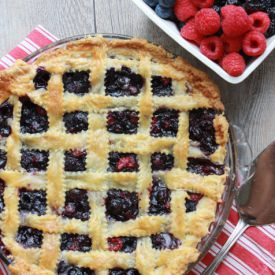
(254, 253)
(38, 38)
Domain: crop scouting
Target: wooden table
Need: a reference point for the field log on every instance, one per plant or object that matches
(251, 104)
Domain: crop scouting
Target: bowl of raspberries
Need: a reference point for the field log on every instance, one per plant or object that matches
(232, 37)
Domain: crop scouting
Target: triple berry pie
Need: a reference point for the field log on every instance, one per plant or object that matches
(111, 160)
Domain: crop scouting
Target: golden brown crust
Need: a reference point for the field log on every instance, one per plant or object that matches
(193, 90)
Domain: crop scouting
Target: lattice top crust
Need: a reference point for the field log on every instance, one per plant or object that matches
(111, 160)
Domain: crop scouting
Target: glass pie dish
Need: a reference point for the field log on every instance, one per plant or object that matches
(231, 161)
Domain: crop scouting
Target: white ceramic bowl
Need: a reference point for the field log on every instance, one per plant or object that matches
(171, 29)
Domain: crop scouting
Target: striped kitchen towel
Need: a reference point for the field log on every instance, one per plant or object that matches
(254, 253)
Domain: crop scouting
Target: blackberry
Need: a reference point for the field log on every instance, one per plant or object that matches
(271, 29)
(235, 2)
(257, 5)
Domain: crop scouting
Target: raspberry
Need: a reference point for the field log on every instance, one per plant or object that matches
(260, 21)
(207, 21)
(203, 3)
(189, 32)
(254, 43)
(232, 44)
(184, 9)
(233, 64)
(212, 47)
(235, 21)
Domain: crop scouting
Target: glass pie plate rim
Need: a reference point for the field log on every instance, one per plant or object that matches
(231, 161)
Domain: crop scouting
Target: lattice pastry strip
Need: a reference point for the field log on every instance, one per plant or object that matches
(114, 163)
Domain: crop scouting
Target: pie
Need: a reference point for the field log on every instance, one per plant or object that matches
(111, 161)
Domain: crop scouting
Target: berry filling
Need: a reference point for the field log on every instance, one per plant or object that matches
(161, 161)
(32, 201)
(75, 160)
(2, 188)
(165, 241)
(122, 122)
(76, 205)
(3, 159)
(76, 122)
(6, 113)
(3, 248)
(191, 203)
(75, 242)
(123, 82)
(123, 162)
(121, 205)
(204, 167)
(76, 82)
(34, 160)
(162, 86)
(120, 271)
(123, 244)
(41, 79)
(165, 123)
(29, 237)
(34, 118)
(67, 269)
(201, 129)
(160, 197)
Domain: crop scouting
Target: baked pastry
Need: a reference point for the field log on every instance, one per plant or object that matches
(112, 160)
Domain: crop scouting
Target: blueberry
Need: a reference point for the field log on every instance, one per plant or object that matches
(164, 13)
(167, 3)
(151, 3)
